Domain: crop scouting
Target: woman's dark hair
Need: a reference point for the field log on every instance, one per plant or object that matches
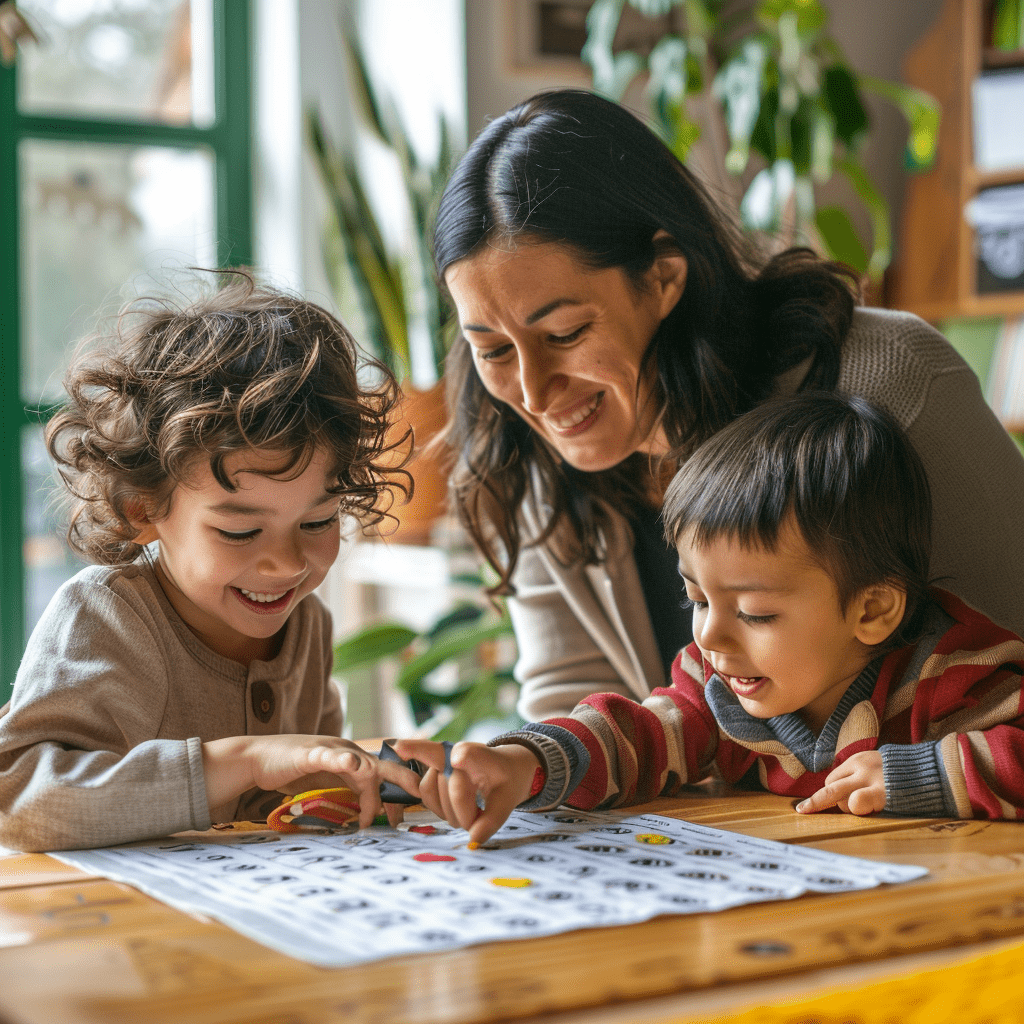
(842, 467)
(575, 169)
(242, 368)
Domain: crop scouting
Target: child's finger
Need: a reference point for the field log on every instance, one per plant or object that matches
(828, 796)
(494, 814)
(462, 793)
(426, 751)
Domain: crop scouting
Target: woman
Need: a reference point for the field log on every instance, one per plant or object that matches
(611, 320)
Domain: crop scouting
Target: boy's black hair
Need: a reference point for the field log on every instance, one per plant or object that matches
(846, 471)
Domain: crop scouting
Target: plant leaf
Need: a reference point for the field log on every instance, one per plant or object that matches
(878, 210)
(923, 113)
(841, 97)
(451, 645)
(839, 238)
(370, 645)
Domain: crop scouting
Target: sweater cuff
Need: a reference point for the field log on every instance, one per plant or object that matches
(564, 760)
(914, 785)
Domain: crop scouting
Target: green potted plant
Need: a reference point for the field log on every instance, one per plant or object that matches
(469, 638)
(771, 74)
(389, 285)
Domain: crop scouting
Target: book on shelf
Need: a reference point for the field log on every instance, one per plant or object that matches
(1005, 388)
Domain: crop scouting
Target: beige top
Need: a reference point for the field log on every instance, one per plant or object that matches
(102, 740)
(585, 629)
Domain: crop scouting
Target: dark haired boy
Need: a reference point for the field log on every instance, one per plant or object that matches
(821, 657)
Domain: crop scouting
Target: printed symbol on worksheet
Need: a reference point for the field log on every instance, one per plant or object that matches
(434, 894)
(520, 922)
(553, 896)
(653, 839)
(709, 851)
(678, 900)
(703, 876)
(240, 867)
(387, 920)
(343, 906)
(629, 885)
(652, 862)
(567, 819)
(597, 848)
(615, 830)
(475, 907)
(390, 879)
(349, 867)
(438, 937)
(763, 866)
(313, 890)
(582, 870)
(274, 879)
(512, 883)
(429, 858)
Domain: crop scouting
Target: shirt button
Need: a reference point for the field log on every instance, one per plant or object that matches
(262, 701)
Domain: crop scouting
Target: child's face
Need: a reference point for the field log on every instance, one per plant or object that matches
(236, 564)
(770, 625)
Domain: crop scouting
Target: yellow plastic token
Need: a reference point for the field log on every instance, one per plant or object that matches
(653, 839)
(512, 883)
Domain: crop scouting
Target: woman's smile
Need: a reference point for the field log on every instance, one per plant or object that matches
(564, 345)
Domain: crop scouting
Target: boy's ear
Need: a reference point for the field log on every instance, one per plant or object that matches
(139, 518)
(879, 611)
(668, 273)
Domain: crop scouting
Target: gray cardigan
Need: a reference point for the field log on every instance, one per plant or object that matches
(102, 741)
(584, 629)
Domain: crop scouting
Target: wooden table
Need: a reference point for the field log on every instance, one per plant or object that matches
(79, 949)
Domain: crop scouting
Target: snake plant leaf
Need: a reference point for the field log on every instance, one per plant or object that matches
(451, 645)
(841, 98)
(923, 114)
(361, 90)
(370, 645)
(839, 237)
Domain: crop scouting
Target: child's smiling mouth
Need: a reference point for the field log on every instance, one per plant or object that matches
(264, 604)
(744, 686)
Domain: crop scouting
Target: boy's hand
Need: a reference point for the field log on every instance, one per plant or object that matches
(856, 786)
(502, 776)
(238, 763)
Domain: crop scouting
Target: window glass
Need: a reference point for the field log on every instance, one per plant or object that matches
(145, 59)
(48, 559)
(92, 218)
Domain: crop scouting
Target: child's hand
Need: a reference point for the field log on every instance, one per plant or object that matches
(238, 763)
(856, 786)
(502, 776)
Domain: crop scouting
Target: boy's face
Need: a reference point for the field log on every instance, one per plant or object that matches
(236, 564)
(770, 625)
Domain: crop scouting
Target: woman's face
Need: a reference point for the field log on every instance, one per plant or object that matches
(562, 344)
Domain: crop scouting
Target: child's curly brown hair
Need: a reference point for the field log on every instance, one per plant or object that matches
(246, 367)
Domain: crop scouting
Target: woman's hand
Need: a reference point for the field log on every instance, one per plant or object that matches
(237, 763)
(856, 786)
(501, 776)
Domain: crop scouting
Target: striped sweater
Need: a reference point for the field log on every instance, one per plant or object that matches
(946, 714)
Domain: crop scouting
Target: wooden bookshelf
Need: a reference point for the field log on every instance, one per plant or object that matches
(937, 273)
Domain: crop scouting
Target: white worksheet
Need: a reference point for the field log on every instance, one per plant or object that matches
(341, 898)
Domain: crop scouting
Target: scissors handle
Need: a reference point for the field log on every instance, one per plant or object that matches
(390, 792)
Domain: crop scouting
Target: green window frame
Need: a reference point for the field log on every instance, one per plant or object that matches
(228, 138)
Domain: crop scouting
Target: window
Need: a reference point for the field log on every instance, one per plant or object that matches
(125, 150)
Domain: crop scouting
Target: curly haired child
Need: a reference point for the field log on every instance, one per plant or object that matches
(209, 453)
(822, 659)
